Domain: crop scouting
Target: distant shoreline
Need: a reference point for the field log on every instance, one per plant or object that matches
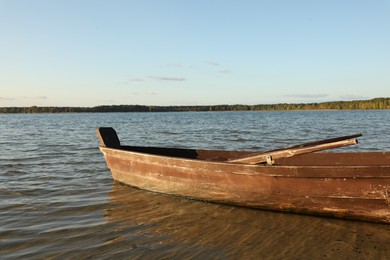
(371, 104)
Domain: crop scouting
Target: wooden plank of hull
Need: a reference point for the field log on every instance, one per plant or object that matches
(354, 192)
(340, 159)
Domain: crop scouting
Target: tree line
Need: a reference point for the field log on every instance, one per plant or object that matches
(376, 103)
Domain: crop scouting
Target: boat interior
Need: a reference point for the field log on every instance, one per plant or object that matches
(318, 158)
(109, 138)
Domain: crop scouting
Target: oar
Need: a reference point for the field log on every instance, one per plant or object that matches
(304, 148)
(324, 141)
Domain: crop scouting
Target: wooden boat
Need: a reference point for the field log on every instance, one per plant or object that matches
(297, 179)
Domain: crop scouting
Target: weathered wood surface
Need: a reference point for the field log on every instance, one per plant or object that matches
(343, 185)
(285, 153)
(269, 156)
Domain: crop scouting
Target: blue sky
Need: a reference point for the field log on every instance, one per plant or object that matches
(167, 52)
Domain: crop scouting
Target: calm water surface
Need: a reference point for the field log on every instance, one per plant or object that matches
(58, 200)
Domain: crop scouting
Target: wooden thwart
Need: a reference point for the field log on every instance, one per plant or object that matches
(311, 147)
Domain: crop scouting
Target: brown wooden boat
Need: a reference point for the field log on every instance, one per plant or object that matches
(297, 179)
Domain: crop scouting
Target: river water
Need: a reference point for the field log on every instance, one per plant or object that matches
(58, 200)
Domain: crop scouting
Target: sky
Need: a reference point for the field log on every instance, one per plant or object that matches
(193, 52)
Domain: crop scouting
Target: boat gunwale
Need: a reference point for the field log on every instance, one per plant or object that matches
(262, 167)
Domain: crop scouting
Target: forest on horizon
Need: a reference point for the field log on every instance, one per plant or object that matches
(375, 103)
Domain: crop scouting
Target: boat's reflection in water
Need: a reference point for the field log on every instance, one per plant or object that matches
(160, 225)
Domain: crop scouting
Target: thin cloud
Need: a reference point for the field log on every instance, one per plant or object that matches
(352, 97)
(24, 97)
(308, 96)
(213, 63)
(6, 98)
(177, 65)
(136, 79)
(225, 71)
(159, 78)
(148, 93)
(36, 97)
(107, 101)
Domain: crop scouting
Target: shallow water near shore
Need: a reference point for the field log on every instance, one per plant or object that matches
(58, 200)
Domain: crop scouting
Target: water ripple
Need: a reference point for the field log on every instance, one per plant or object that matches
(58, 200)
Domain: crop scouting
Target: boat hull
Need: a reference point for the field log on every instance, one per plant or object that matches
(317, 184)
